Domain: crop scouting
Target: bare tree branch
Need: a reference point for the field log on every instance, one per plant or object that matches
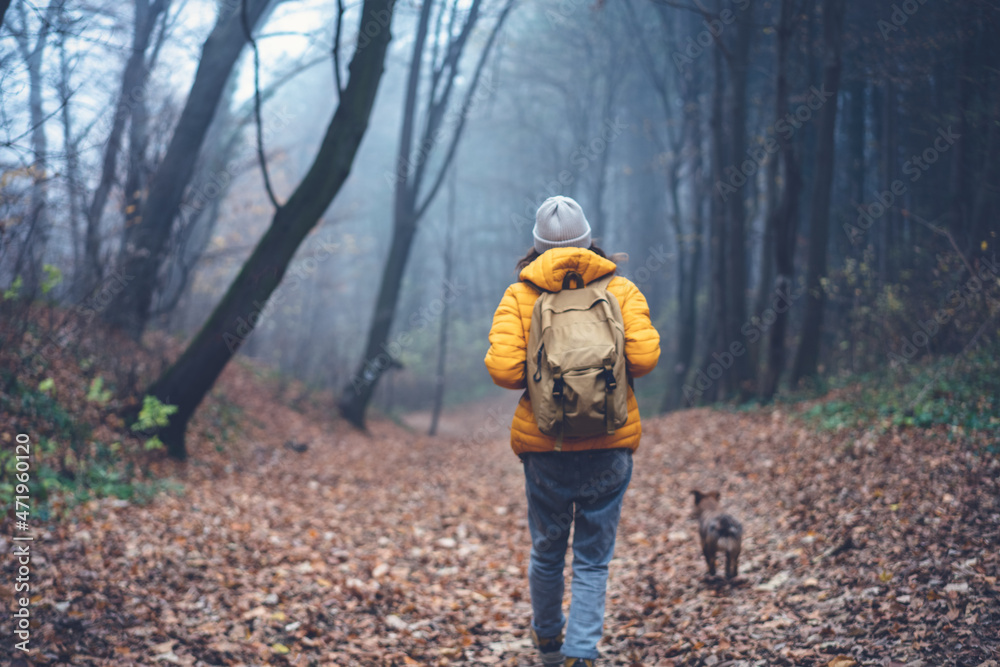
(943, 232)
(336, 48)
(436, 108)
(437, 68)
(421, 208)
(256, 97)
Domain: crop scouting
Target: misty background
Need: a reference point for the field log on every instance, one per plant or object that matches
(736, 151)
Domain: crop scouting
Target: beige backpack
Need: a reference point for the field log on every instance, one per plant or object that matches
(576, 361)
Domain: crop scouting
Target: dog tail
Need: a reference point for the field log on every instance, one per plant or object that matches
(728, 543)
(728, 528)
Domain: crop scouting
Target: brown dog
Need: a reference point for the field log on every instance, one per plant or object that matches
(718, 530)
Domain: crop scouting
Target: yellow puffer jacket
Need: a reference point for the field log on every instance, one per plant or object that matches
(506, 359)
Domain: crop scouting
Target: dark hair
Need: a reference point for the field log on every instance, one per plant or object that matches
(532, 255)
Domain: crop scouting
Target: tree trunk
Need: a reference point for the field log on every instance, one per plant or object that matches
(807, 357)
(134, 78)
(765, 277)
(186, 382)
(135, 172)
(855, 154)
(856, 143)
(36, 224)
(981, 216)
(197, 222)
(786, 217)
(782, 219)
(195, 229)
(356, 397)
(671, 399)
(736, 272)
(449, 268)
(380, 354)
(960, 180)
(144, 244)
(598, 218)
(717, 249)
(772, 196)
(885, 225)
(686, 142)
(689, 270)
(70, 148)
(411, 170)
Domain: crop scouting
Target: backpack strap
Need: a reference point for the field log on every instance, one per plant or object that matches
(609, 387)
(570, 278)
(557, 394)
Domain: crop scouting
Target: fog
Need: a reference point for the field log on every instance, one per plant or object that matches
(827, 155)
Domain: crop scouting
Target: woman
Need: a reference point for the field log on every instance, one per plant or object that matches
(583, 483)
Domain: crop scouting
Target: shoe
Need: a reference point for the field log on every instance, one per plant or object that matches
(580, 662)
(549, 649)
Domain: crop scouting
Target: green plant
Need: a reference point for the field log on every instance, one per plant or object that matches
(154, 415)
(68, 466)
(52, 279)
(14, 290)
(961, 393)
(42, 409)
(94, 477)
(97, 393)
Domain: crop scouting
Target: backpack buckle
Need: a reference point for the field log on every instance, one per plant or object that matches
(557, 388)
(609, 377)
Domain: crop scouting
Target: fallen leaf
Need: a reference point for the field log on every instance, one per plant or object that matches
(842, 661)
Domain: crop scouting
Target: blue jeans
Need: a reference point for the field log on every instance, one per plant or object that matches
(593, 482)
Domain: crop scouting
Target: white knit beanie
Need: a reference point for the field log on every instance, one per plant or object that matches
(560, 223)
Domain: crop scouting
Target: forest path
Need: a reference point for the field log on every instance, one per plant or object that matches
(393, 548)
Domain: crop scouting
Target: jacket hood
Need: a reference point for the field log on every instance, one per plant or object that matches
(550, 268)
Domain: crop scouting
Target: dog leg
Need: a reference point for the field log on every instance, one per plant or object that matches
(732, 560)
(709, 551)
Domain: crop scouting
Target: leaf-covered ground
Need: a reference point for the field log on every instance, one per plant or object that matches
(394, 548)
